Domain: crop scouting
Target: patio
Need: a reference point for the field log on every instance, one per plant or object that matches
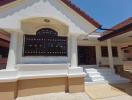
(92, 92)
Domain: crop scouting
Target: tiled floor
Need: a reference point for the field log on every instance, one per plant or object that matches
(110, 92)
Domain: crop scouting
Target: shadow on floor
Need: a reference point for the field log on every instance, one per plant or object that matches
(124, 87)
(109, 91)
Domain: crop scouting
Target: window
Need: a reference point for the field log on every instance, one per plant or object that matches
(45, 43)
(114, 52)
(104, 51)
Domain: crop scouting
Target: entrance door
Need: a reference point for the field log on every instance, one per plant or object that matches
(86, 55)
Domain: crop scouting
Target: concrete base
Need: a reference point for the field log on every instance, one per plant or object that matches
(29, 87)
(41, 86)
(76, 84)
(7, 91)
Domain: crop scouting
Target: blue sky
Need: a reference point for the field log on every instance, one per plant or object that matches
(107, 12)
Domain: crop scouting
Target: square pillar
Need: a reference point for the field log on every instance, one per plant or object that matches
(74, 53)
(111, 63)
(75, 74)
(12, 52)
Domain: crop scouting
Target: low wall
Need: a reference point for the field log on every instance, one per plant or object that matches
(128, 65)
(39, 80)
(28, 87)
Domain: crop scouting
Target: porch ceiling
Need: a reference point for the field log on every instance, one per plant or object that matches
(124, 38)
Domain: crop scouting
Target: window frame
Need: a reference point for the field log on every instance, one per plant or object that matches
(114, 53)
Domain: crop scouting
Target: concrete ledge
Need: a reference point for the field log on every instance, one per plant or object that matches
(41, 86)
(33, 82)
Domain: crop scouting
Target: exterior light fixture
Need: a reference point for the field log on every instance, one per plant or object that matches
(46, 20)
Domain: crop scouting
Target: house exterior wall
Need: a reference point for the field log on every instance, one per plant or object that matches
(39, 60)
(127, 56)
(104, 60)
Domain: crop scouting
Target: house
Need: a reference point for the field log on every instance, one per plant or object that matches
(50, 40)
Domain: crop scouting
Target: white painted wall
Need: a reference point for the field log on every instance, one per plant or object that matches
(11, 18)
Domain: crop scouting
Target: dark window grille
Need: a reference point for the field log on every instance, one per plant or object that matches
(114, 52)
(104, 51)
(45, 43)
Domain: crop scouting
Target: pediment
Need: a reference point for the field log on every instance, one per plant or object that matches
(12, 16)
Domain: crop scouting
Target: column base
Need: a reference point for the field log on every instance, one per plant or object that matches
(7, 91)
(76, 84)
(76, 79)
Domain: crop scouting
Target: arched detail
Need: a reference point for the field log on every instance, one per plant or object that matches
(32, 25)
(46, 32)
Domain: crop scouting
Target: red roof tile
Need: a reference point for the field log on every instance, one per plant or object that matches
(118, 29)
(4, 37)
(121, 25)
(81, 13)
(3, 2)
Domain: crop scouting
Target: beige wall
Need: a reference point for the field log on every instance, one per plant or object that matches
(28, 87)
(99, 58)
(128, 65)
(127, 56)
(7, 91)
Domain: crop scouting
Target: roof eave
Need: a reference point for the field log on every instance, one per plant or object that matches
(81, 13)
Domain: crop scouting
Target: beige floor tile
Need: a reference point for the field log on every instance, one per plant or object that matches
(123, 97)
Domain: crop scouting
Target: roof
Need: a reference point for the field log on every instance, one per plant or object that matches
(4, 39)
(81, 13)
(3, 2)
(4, 36)
(118, 29)
(69, 4)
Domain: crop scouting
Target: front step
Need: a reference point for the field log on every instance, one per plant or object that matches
(103, 75)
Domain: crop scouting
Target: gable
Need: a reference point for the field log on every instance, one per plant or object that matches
(45, 8)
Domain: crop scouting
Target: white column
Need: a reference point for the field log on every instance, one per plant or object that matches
(74, 53)
(110, 54)
(12, 52)
(98, 55)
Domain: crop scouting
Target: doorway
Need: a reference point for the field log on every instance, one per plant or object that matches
(86, 55)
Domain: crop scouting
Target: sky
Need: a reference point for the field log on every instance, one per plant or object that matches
(107, 12)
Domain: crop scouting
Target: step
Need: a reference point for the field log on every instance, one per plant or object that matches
(104, 74)
(120, 80)
(98, 71)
